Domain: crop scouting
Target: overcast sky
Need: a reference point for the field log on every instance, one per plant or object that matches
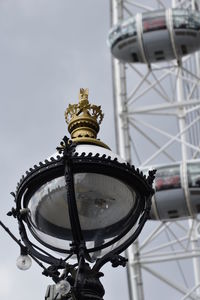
(48, 50)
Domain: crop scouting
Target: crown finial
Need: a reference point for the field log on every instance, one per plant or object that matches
(83, 96)
(83, 120)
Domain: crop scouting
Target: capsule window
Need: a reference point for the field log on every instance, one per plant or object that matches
(194, 34)
(197, 193)
(173, 213)
(198, 208)
(193, 171)
(184, 49)
(158, 52)
(184, 19)
(135, 57)
(180, 32)
(159, 55)
(154, 20)
(167, 178)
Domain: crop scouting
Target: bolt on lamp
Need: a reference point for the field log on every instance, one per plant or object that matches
(86, 203)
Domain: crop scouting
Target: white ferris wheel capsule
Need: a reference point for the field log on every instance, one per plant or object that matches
(156, 88)
(158, 35)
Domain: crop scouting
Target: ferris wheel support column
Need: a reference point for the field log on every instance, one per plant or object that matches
(194, 240)
(182, 125)
(120, 94)
(192, 223)
(124, 148)
(134, 273)
(135, 283)
(196, 260)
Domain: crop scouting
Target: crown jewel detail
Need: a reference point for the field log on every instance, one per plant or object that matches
(84, 108)
(83, 120)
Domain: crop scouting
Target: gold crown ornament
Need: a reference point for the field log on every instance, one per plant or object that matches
(83, 120)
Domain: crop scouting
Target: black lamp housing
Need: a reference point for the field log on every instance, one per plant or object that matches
(86, 203)
(99, 240)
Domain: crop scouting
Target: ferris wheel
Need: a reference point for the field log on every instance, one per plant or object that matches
(156, 84)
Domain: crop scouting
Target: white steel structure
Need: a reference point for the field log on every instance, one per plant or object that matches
(157, 109)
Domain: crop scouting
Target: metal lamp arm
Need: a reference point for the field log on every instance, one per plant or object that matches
(47, 259)
(11, 235)
(24, 248)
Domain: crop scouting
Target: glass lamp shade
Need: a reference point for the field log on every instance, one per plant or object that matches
(99, 203)
(109, 197)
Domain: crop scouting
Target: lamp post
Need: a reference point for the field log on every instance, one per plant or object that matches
(86, 203)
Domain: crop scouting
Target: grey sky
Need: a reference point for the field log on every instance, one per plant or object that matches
(48, 50)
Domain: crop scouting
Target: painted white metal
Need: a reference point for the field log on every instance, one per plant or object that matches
(169, 282)
(134, 273)
(182, 126)
(140, 37)
(171, 31)
(94, 149)
(124, 147)
(194, 224)
(177, 88)
(196, 260)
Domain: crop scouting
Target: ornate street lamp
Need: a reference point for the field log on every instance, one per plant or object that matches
(87, 203)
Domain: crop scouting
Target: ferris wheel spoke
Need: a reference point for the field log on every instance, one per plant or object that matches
(184, 78)
(161, 88)
(155, 113)
(152, 236)
(169, 65)
(194, 132)
(163, 246)
(195, 155)
(180, 225)
(172, 139)
(134, 91)
(145, 91)
(192, 109)
(194, 86)
(169, 230)
(161, 3)
(130, 14)
(163, 108)
(190, 292)
(151, 140)
(135, 150)
(169, 257)
(183, 3)
(178, 262)
(156, 233)
(168, 281)
(191, 228)
(139, 5)
(149, 83)
(191, 73)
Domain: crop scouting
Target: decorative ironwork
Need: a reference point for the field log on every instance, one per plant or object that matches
(84, 280)
(67, 147)
(118, 260)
